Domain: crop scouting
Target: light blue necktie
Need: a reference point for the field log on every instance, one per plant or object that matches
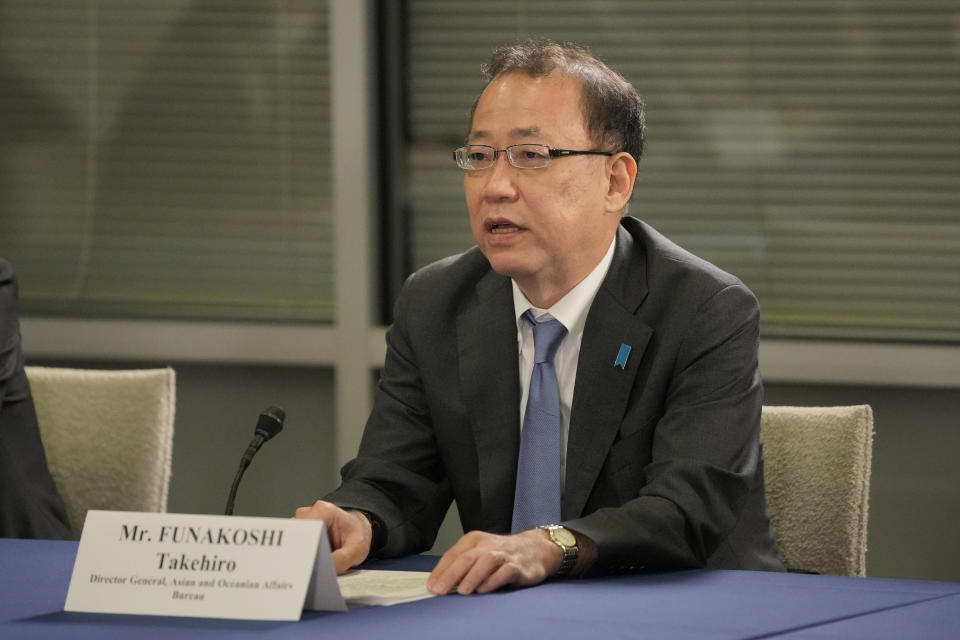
(537, 497)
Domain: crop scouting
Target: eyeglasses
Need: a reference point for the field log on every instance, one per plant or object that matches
(477, 157)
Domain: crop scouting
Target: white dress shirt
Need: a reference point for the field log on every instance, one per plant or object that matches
(571, 310)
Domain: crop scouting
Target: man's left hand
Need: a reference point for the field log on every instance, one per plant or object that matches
(483, 562)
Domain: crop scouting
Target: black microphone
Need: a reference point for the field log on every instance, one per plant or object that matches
(269, 424)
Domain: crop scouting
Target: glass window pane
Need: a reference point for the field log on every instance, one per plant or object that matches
(810, 148)
(167, 159)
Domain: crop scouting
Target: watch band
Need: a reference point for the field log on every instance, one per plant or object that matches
(567, 541)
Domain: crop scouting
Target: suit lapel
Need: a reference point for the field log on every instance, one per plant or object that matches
(602, 390)
(488, 364)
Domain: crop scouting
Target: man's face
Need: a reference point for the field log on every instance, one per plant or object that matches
(545, 228)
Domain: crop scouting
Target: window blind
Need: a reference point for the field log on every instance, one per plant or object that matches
(811, 148)
(167, 159)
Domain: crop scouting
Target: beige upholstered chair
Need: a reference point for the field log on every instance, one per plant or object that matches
(108, 436)
(817, 466)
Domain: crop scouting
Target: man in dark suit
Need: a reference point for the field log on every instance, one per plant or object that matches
(656, 377)
(30, 506)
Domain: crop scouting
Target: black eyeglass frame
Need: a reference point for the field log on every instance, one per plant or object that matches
(552, 153)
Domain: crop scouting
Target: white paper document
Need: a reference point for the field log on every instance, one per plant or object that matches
(371, 587)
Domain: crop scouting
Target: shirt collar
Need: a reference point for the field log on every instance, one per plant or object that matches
(571, 309)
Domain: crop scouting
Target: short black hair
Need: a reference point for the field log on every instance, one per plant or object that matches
(611, 106)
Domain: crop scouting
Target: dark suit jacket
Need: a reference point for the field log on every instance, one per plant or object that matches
(664, 466)
(30, 506)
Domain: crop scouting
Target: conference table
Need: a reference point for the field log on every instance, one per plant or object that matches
(679, 605)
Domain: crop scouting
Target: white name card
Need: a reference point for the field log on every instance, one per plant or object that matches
(202, 566)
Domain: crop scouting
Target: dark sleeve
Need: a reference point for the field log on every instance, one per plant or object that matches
(704, 461)
(398, 474)
(30, 506)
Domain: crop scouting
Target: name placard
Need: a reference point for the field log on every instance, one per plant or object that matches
(202, 566)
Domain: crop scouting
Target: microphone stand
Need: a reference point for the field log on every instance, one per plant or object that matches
(269, 424)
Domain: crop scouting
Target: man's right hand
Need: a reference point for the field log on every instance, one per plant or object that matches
(350, 533)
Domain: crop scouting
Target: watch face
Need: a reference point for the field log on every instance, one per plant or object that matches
(564, 537)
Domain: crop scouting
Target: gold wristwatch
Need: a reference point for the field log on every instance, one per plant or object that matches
(567, 541)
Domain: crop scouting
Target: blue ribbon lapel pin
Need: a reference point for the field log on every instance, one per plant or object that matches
(622, 356)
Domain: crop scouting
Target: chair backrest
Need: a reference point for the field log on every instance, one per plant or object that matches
(108, 436)
(817, 469)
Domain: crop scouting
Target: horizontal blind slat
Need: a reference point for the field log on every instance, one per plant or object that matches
(171, 160)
